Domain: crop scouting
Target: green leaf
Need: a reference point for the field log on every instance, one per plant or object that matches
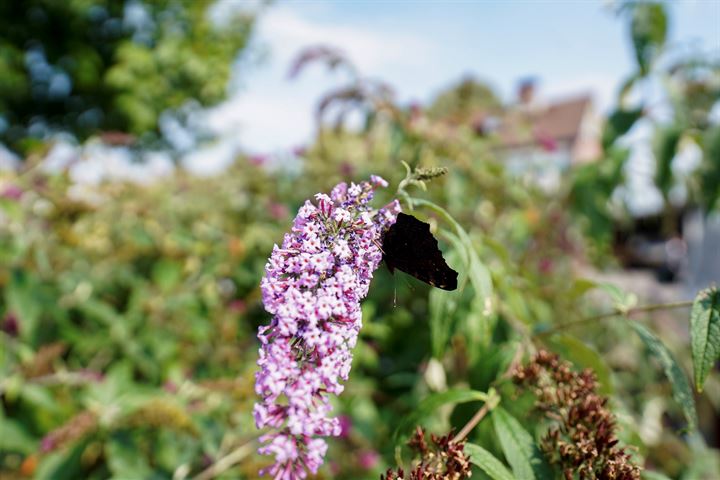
(442, 306)
(63, 464)
(125, 459)
(485, 460)
(580, 287)
(627, 87)
(709, 171)
(682, 393)
(665, 144)
(14, 437)
(584, 356)
(648, 28)
(705, 334)
(21, 300)
(618, 124)
(429, 405)
(167, 273)
(519, 448)
(650, 475)
(621, 301)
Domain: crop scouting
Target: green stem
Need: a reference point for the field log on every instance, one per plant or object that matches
(228, 461)
(615, 313)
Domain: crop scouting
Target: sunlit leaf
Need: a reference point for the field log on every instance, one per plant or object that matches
(519, 448)
(682, 393)
(442, 305)
(580, 287)
(485, 460)
(622, 301)
(583, 355)
(648, 30)
(705, 334)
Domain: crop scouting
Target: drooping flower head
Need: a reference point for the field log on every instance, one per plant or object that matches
(312, 286)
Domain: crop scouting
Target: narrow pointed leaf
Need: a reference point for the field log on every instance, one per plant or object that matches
(705, 334)
(487, 462)
(519, 447)
(648, 30)
(682, 393)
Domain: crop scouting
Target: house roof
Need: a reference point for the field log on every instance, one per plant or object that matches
(531, 125)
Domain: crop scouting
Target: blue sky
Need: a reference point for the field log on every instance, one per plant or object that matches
(421, 46)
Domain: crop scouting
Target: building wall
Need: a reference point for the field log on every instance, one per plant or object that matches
(702, 234)
(539, 166)
(587, 147)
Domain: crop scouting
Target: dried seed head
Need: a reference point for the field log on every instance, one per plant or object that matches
(583, 440)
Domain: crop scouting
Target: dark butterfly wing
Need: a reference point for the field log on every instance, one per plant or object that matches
(409, 246)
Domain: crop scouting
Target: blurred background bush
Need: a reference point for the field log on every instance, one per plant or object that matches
(131, 256)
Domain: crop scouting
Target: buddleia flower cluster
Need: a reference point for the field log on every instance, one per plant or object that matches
(312, 286)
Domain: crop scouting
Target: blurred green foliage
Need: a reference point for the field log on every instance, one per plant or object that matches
(128, 313)
(84, 66)
(680, 119)
(460, 102)
(129, 316)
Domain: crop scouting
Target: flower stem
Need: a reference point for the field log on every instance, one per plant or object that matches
(227, 461)
(479, 415)
(616, 312)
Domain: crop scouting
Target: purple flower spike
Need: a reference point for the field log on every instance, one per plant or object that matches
(313, 285)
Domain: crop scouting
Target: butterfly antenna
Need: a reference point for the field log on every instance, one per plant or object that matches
(378, 245)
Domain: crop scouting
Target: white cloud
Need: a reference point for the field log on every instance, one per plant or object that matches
(272, 113)
(372, 50)
(265, 120)
(210, 160)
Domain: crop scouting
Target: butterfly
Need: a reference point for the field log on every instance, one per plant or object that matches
(409, 246)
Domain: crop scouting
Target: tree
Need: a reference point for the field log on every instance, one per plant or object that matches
(83, 66)
(463, 100)
(689, 86)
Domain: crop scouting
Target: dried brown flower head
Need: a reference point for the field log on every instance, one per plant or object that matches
(441, 459)
(79, 426)
(582, 439)
(43, 361)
